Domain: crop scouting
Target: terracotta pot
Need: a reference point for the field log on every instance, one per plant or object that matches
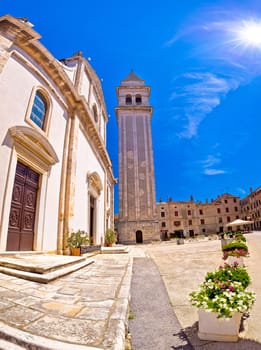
(218, 329)
(76, 251)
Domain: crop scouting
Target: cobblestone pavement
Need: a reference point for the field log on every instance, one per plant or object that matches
(183, 267)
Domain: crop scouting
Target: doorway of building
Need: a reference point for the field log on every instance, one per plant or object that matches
(92, 217)
(23, 209)
(139, 238)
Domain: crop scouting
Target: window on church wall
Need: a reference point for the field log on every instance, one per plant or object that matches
(128, 100)
(138, 99)
(39, 110)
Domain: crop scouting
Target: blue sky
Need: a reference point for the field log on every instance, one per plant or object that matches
(204, 70)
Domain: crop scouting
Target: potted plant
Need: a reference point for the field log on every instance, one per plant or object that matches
(110, 238)
(235, 251)
(221, 300)
(226, 237)
(76, 239)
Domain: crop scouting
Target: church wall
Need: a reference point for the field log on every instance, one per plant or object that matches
(68, 151)
(84, 88)
(88, 163)
(16, 87)
(70, 69)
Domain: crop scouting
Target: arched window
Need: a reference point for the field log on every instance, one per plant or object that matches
(138, 99)
(128, 100)
(39, 110)
(95, 113)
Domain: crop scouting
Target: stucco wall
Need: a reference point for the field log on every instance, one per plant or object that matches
(87, 163)
(16, 86)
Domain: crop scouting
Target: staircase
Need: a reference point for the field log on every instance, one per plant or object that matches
(41, 268)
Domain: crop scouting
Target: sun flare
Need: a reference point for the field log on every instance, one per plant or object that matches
(248, 33)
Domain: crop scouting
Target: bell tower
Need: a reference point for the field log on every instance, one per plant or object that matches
(137, 221)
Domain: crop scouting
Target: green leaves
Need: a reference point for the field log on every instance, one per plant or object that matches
(224, 291)
(77, 238)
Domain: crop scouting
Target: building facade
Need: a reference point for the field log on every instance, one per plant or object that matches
(137, 220)
(189, 218)
(251, 208)
(56, 175)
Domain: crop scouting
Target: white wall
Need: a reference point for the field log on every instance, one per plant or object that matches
(16, 84)
(87, 162)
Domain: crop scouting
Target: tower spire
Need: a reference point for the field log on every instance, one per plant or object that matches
(137, 201)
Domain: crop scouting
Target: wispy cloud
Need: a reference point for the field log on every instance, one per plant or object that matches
(242, 191)
(197, 94)
(210, 161)
(208, 164)
(216, 45)
(214, 171)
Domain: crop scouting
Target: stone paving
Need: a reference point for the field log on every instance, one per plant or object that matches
(183, 267)
(88, 307)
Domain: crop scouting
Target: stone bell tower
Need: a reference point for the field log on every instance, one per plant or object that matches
(137, 221)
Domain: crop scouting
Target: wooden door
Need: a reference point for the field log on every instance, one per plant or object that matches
(22, 212)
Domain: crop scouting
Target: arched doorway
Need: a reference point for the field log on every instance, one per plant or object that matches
(139, 238)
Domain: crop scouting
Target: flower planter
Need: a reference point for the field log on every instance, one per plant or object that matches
(235, 259)
(76, 251)
(218, 329)
(225, 241)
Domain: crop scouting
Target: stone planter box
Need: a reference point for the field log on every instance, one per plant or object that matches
(180, 241)
(232, 259)
(89, 248)
(218, 329)
(225, 241)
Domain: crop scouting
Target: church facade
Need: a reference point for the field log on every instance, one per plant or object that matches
(56, 175)
(137, 221)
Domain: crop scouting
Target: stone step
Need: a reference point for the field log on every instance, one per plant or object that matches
(49, 274)
(40, 264)
(115, 250)
(30, 341)
(6, 345)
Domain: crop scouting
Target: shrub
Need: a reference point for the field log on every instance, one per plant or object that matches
(239, 237)
(110, 236)
(224, 295)
(232, 272)
(235, 248)
(77, 238)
